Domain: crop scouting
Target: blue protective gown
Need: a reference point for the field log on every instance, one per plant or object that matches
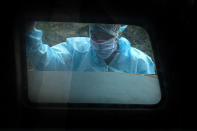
(76, 55)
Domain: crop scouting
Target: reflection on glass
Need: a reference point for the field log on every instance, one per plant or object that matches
(99, 63)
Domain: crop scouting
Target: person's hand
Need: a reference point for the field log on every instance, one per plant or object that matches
(29, 26)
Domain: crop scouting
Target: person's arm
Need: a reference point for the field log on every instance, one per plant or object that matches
(145, 65)
(46, 58)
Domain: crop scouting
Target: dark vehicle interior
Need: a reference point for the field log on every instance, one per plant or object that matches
(172, 29)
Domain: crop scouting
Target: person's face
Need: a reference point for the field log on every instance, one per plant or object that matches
(98, 35)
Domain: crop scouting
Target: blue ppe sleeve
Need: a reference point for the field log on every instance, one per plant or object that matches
(146, 66)
(43, 57)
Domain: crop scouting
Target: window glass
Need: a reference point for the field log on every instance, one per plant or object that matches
(90, 63)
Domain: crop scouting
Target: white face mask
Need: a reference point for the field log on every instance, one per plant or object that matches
(104, 49)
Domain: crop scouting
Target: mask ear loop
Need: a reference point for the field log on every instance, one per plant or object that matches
(90, 30)
(89, 34)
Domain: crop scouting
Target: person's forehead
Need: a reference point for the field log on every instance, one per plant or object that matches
(96, 28)
(101, 34)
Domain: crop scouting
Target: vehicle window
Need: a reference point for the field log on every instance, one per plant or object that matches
(90, 63)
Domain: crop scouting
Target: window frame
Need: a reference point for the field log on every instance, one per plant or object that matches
(142, 21)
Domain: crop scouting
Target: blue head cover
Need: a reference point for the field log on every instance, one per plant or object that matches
(123, 28)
